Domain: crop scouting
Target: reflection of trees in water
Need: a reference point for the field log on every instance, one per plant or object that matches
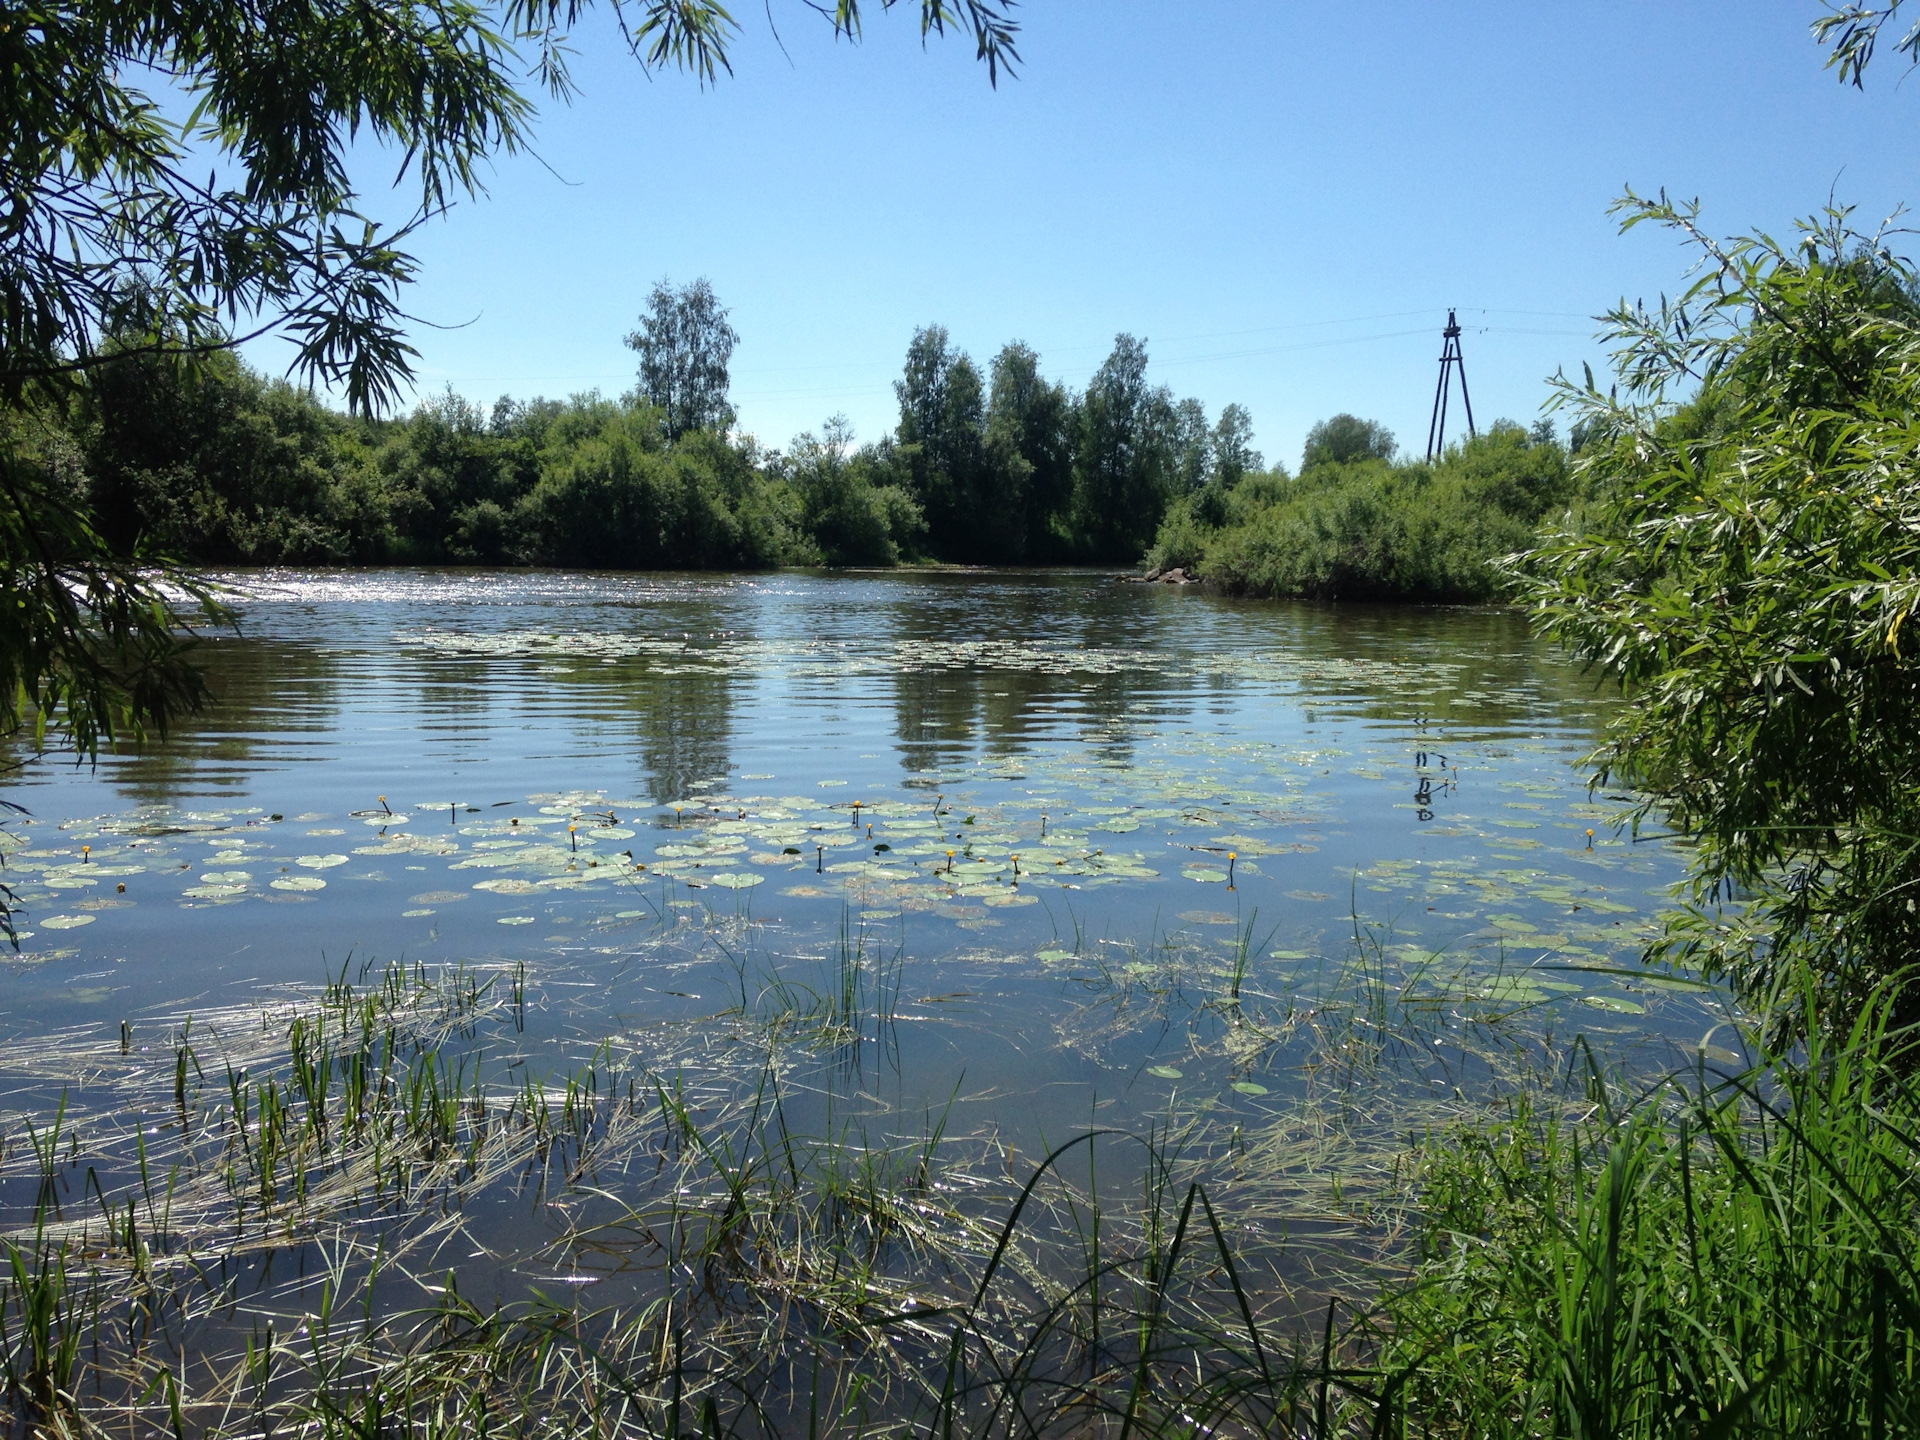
(1458, 670)
(266, 694)
(936, 716)
(685, 727)
(949, 717)
(1484, 668)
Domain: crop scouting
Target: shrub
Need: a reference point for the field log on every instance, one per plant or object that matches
(1365, 528)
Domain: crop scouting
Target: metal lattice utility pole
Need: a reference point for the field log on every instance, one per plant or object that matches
(1450, 357)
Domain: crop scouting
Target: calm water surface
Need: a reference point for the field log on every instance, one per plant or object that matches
(1064, 810)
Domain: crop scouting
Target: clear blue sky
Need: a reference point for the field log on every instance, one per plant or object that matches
(1283, 199)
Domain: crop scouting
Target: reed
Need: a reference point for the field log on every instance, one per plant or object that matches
(305, 1218)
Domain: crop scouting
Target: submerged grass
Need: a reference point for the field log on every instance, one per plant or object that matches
(360, 1211)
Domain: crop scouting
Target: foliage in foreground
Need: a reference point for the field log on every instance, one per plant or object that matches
(290, 1246)
(1722, 1254)
(1749, 573)
(379, 1219)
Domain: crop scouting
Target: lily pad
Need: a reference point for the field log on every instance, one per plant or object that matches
(320, 862)
(515, 920)
(299, 882)
(1616, 1004)
(1204, 875)
(65, 922)
(1165, 1072)
(1249, 1087)
(735, 880)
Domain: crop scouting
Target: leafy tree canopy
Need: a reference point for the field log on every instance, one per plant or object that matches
(1344, 438)
(685, 344)
(1750, 572)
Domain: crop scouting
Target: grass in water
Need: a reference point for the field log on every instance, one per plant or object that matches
(361, 1212)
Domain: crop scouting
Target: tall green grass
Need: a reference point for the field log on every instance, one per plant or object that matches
(1728, 1252)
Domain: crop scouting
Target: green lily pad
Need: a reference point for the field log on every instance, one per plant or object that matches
(1204, 875)
(1165, 1072)
(735, 880)
(66, 922)
(1249, 1087)
(1616, 1004)
(298, 882)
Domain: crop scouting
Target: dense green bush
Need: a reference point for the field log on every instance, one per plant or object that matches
(1749, 570)
(1730, 1254)
(213, 464)
(620, 497)
(219, 464)
(1355, 525)
(853, 507)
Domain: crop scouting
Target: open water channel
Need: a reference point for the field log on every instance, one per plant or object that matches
(1285, 881)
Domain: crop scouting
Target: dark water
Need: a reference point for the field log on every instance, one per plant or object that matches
(1030, 791)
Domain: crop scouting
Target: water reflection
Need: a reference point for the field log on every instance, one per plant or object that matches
(685, 725)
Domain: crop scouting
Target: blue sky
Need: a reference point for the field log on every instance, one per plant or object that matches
(1282, 199)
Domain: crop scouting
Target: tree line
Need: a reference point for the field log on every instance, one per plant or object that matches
(213, 463)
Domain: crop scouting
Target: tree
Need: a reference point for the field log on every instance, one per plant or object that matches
(1345, 438)
(1030, 440)
(1749, 571)
(1232, 447)
(1123, 462)
(853, 514)
(1854, 31)
(1192, 441)
(685, 343)
(941, 433)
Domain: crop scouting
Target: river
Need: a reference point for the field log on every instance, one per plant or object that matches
(982, 858)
